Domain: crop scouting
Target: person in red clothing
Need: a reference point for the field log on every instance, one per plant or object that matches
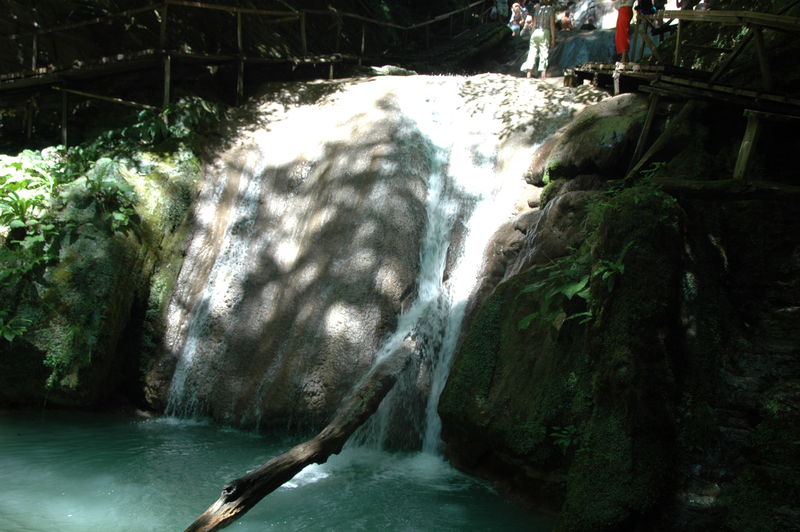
(623, 30)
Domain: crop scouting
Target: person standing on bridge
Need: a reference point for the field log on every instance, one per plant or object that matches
(622, 37)
(543, 37)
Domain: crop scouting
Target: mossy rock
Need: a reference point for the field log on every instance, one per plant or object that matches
(599, 140)
(78, 349)
(591, 400)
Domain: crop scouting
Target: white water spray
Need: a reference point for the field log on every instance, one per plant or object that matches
(467, 192)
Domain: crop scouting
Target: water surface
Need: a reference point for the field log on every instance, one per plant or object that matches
(89, 472)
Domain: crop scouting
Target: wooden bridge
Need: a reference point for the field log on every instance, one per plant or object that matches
(666, 77)
(150, 43)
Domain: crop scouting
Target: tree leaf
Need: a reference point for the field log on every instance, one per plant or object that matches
(571, 289)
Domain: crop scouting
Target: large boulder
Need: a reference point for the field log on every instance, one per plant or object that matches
(600, 140)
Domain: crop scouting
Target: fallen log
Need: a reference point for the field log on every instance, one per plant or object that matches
(240, 495)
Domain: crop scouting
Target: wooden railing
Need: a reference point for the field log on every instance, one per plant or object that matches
(52, 62)
(753, 22)
(759, 105)
(162, 10)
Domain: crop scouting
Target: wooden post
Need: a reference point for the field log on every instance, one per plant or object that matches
(363, 43)
(677, 57)
(751, 135)
(723, 67)
(303, 41)
(239, 51)
(162, 37)
(27, 123)
(648, 124)
(167, 79)
(661, 140)
(34, 51)
(641, 34)
(634, 41)
(766, 75)
(64, 115)
(652, 45)
(239, 44)
(338, 34)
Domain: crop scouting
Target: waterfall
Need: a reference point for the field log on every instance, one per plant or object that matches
(465, 191)
(356, 215)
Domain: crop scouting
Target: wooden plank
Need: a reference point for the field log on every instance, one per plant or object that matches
(676, 58)
(34, 51)
(84, 23)
(710, 90)
(767, 20)
(111, 99)
(167, 80)
(355, 17)
(303, 40)
(773, 117)
(661, 141)
(653, 47)
(723, 67)
(443, 16)
(691, 92)
(749, 141)
(645, 133)
(232, 9)
(162, 36)
(240, 66)
(708, 48)
(64, 98)
(363, 43)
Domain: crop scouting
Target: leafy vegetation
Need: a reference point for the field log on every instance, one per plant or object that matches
(54, 201)
(576, 277)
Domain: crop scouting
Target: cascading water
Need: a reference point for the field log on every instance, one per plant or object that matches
(465, 190)
(337, 230)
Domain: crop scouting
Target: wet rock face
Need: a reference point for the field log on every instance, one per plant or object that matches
(678, 407)
(296, 271)
(596, 142)
(556, 231)
(308, 234)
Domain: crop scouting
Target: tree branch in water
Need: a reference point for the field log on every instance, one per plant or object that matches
(240, 495)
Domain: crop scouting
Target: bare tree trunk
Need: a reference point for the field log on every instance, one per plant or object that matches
(240, 495)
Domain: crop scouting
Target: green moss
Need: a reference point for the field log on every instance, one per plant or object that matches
(81, 303)
(551, 190)
(470, 381)
(616, 477)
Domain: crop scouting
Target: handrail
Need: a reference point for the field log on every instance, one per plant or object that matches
(232, 9)
(161, 10)
(244, 10)
(443, 16)
(768, 20)
(88, 22)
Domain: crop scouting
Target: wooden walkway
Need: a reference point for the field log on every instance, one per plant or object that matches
(48, 68)
(665, 78)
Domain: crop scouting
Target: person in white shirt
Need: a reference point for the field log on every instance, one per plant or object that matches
(543, 37)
